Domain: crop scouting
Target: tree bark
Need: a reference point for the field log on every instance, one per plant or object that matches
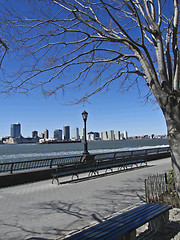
(172, 116)
(174, 142)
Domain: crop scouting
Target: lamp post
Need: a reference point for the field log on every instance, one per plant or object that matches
(84, 116)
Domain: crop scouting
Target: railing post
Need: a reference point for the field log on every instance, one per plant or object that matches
(12, 164)
(51, 163)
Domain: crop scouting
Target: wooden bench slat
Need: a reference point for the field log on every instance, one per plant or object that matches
(109, 222)
(134, 224)
(122, 223)
(113, 224)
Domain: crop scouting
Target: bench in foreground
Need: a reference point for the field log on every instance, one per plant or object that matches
(124, 225)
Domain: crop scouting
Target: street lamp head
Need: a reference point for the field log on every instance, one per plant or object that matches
(84, 115)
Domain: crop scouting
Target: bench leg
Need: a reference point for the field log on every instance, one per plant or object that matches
(74, 175)
(158, 224)
(56, 180)
(130, 236)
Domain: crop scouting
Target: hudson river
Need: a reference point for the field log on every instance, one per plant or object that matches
(20, 152)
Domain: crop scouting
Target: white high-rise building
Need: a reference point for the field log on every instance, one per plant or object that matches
(46, 134)
(111, 135)
(117, 135)
(104, 135)
(82, 134)
(125, 135)
(75, 134)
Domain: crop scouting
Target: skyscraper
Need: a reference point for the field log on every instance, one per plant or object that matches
(75, 134)
(66, 132)
(117, 135)
(104, 135)
(46, 134)
(96, 135)
(82, 134)
(58, 134)
(125, 135)
(111, 135)
(35, 134)
(16, 130)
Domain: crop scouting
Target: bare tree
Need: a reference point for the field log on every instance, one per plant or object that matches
(66, 42)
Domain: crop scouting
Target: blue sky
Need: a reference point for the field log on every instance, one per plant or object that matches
(110, 110)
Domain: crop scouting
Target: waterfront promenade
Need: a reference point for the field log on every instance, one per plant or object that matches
(44, 211)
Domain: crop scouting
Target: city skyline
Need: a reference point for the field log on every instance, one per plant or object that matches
(106, 111)
(68, 133)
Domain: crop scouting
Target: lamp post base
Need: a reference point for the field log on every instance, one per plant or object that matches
(87, 158)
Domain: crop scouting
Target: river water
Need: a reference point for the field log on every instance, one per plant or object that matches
(21, 152)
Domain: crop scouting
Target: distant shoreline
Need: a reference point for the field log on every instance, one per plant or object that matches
(56, 141)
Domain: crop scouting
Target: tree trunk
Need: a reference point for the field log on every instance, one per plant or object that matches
(174, 142)
(171, 109)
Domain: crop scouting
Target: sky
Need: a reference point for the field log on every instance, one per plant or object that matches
(106, 111)
(110, 110)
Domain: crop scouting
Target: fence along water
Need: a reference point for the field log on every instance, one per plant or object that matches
(11, 167)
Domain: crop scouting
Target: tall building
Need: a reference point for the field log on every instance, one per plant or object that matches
(91, 136)
(75, 134)
(46, 134)
(117, 135)
(82, 133)
(96, 135)
(58, 134)
(66, 132)
(104, 135)
(111, 135)
(34, 134)
(16, 130)
(125, 135)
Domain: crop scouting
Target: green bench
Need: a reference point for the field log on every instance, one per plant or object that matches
(93, 167)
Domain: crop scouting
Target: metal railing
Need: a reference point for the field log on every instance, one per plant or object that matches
(11, 167)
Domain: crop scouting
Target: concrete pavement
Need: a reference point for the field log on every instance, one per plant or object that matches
(44, 211)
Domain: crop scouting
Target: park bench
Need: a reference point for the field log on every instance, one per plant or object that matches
(73, 170)
(124, 226)
(93, 166)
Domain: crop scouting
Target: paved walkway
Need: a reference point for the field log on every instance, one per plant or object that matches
(44, 211)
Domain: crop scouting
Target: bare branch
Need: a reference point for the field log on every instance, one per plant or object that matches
(5, 50)
(175, 47)
(92, 37)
